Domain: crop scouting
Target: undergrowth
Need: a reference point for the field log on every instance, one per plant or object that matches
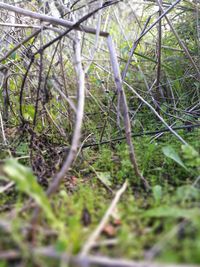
(165, 217)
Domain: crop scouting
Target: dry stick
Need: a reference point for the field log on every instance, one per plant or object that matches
(27, 39)
(2, 130)
(79, 118)
(102, 261)
(107, 187)
(181, 43)
(5, 94)
(79, 114)
(77, 129)
(40, 78)
(157, 20)
(19, 25)
(165, 4)
(197, 24)
(159, 45)
(124, 107)
(129, 61)
(50, 19)
(91, 241)
(64, 83)
(89, 260)
(131, 53)
(156, 113)
(81, 146)
(69, 24)
(45, 89)
(144, 33)
(76, 26)
(96, 39)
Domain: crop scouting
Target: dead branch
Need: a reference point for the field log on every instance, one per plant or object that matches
(124, 108)
(50, 19)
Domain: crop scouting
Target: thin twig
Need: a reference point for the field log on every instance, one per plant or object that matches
(156, 113)
(91, 241)
(2, 130)
(165, 130)
(181, 43)
(6, 187)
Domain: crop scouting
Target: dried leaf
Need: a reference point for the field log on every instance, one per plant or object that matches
(110, 230)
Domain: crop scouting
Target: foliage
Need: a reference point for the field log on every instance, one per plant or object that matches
(38, 115)
(26, 183)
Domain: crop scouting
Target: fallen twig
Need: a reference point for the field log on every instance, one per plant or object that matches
(91, 241)
(89, 260)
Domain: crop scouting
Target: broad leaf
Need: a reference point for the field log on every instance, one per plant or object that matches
(172, 154)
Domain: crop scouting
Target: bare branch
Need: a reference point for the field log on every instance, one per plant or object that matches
(49, 19)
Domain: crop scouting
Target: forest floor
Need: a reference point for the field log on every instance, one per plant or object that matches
(161, 224)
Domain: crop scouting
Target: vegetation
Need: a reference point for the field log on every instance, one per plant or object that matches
(99, 144)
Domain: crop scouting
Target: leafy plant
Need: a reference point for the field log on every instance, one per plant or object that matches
(191, 158)
(26, 183)
(172, 154)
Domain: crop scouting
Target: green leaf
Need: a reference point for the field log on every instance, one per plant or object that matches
(26, 182)
(172, 154)
(29, 112)
(13, 55)
(104, 177)
(98, 82)
(157, 193)
(22, 148)
(173, 212)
